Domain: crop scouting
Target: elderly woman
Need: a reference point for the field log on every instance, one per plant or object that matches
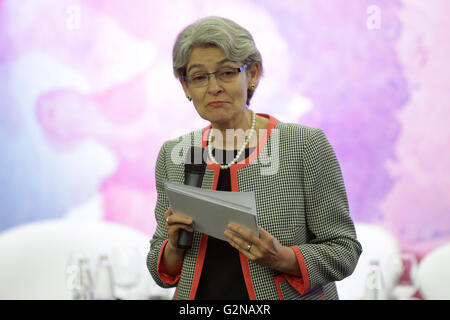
(306, 237)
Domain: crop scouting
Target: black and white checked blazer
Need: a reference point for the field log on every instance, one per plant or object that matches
(301, 201)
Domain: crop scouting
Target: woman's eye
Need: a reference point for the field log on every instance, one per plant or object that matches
(226, 73)
(198, 78)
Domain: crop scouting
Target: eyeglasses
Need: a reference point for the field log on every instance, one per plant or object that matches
(200, 80)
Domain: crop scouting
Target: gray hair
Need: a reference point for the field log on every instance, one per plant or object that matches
(236, 42)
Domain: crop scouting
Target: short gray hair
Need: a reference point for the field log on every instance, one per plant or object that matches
(235, 41)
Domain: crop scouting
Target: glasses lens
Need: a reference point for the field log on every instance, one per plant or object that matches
(201, 79)
(198, 80)
(227, 75)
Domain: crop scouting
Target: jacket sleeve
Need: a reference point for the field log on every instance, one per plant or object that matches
(332, 251)
(159, 240)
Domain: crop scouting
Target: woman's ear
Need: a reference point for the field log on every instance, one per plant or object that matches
(186, 89)
(254, 73)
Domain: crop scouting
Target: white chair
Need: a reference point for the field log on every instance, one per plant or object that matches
(34, 257)
(378, 244)
(434, 274)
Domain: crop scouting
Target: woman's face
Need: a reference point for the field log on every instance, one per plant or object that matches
(221, 103)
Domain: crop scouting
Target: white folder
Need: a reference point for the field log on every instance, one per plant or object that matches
(213, 210)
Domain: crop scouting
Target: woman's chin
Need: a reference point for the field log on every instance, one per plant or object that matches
(217, 114)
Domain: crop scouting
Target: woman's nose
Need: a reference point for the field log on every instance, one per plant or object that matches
(213, 85)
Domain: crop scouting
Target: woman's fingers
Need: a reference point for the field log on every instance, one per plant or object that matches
(183, 226)
(241, 244)
(173, 218)
(263, 249)
(174, 222)
(168, 212)
(243, 233)
(243, 239)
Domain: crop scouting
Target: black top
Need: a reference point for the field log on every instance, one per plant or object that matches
(222, 277)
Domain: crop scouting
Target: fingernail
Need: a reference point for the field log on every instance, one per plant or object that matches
(232, 226)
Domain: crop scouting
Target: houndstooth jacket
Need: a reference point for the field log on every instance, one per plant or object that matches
(301, 201)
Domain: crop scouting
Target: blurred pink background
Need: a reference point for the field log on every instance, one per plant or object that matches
(87, 98)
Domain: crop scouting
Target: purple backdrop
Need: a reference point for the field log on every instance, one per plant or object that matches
(87, 97)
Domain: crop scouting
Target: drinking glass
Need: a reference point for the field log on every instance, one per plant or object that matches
(405, 267)
(125, 265)
(78, 276)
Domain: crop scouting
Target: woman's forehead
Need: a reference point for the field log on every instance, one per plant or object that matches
(206, 57)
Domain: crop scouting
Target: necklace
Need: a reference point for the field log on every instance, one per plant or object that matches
(238, 155)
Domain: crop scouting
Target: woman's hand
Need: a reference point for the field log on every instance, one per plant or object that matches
(173, 256)
(264, 250)
(174, 223)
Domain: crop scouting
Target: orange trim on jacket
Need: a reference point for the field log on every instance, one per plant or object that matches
(199, 266)
(161, 270)
(300, 283)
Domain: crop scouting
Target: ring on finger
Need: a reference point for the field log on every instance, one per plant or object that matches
(249, 246)
(167, 220)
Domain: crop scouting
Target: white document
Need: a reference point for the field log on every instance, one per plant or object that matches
(212, 210)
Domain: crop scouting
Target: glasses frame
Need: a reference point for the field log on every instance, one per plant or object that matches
(208, 74)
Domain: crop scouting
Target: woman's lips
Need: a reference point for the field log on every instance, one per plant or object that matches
(217, 103)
